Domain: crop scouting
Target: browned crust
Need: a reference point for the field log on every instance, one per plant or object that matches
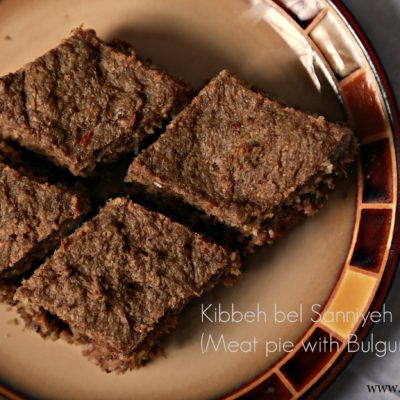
(239, 156)
(33, 218)
(115, 279)
(86, 102)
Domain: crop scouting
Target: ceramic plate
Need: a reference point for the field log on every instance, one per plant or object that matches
(308, 54)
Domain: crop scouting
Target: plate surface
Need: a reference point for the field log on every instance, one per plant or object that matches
(330, 260)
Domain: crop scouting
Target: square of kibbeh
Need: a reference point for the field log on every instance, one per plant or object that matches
(33, 218)
(119, 282)
(86, 102)
(251, 162)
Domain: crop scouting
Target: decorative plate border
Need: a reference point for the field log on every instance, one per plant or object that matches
(371, 262)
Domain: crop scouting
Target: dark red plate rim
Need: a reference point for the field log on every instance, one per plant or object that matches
(393, 259)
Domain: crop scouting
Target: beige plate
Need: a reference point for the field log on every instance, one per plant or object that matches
(194, 40)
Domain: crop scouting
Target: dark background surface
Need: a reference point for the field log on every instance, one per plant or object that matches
(380, 20)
